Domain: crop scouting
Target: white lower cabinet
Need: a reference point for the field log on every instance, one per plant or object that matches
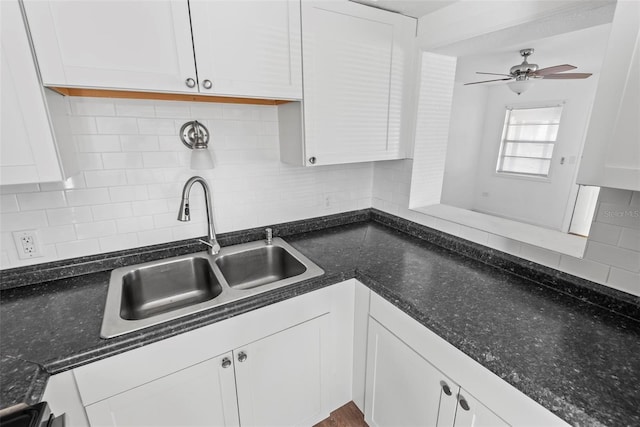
(404, 389)
(287, 364)
(203, 394)
(416, 378)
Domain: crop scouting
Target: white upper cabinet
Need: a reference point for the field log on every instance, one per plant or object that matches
(242, 48)
(28, 151)
(141, 45)
(611, 156)
(248, 48)
(356, 63)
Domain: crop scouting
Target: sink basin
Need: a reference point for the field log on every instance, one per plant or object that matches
(147, 294)
(154, 289)
(256, 267)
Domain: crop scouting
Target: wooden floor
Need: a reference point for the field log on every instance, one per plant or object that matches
(346, 416)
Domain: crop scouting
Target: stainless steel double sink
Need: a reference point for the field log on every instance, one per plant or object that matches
(155, 292)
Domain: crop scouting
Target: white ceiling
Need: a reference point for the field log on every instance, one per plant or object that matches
(583, 48)
(414, 8)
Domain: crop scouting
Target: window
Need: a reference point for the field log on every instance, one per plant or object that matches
(528, 138)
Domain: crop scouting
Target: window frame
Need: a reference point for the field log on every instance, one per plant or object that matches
(503, 142)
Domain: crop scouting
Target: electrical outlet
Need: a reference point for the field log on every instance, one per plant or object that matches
(27, 244)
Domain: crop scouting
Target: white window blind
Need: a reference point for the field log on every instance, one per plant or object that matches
(528, 139)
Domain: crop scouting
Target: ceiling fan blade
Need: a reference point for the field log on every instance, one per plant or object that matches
(487, 81)
(553, 70)
(567, 76)
(494, 74)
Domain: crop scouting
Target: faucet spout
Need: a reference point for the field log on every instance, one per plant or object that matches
(185, 215)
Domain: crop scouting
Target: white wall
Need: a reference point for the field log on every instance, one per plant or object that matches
(612, 257)
(134, 167)
(464, 145)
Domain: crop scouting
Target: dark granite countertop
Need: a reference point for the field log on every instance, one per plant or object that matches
(571, 346)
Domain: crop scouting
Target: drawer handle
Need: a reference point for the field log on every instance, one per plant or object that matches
(463, 402)
(190, 82)
(312, 160)
(226, 362)
(242, 356)
(207, 84)
(445, 388)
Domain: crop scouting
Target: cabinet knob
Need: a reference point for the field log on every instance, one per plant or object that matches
(445, 388)
(463, 402)
(242, 356)
(226, 362)
(312, 160)
(207, 84)
(190, 82)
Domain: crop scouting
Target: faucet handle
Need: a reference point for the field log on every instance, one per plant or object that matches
(215, 246)
(269, 233)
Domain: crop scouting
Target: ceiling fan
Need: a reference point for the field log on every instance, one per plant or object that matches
(524, 74)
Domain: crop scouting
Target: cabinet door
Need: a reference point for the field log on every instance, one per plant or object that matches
(27, 147)
(141, 45)
(403, 389)
(280, 380)
(201, 395)
(611, 156)
(472, 413)
(355, 60)
(248, 48)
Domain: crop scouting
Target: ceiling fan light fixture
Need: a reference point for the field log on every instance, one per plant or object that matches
(520, 86)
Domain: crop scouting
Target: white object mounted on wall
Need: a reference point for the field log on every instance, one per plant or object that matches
(196, 136)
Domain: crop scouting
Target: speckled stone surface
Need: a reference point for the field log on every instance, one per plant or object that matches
(21, 381)
(574, 357)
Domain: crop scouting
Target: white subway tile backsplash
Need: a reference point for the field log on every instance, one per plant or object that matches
(134, 108)
(160, 160)
(158, 127)
(82, 125)
(135, 223)
(614, 256)
(57, 234)
(604, 233)
(77, 248)
(144, 176)
(9, 203)
(90, 161)
(118, 242)
(155, 236)
(620, 215)
(14, 221)
(105, 178)
(87, 197)
(97, 143)
(150, 207)
(19, 188)
(95, 229)
(624, 280)
(128, 193)
(174, 110)
(122, 160)
(630, 239)
(117, 125)
(584, 268)
(91, 107)
(41, 200)
(140, 143)
(112, 211)
(72, 215)
(502, 243)
(539, 255)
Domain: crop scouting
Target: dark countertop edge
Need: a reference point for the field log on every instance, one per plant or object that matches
(63, 269)
(585, 290)
(543, 396)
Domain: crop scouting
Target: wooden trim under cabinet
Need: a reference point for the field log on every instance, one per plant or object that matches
(108, 93)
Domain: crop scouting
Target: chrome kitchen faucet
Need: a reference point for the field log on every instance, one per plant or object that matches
(184, 214)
